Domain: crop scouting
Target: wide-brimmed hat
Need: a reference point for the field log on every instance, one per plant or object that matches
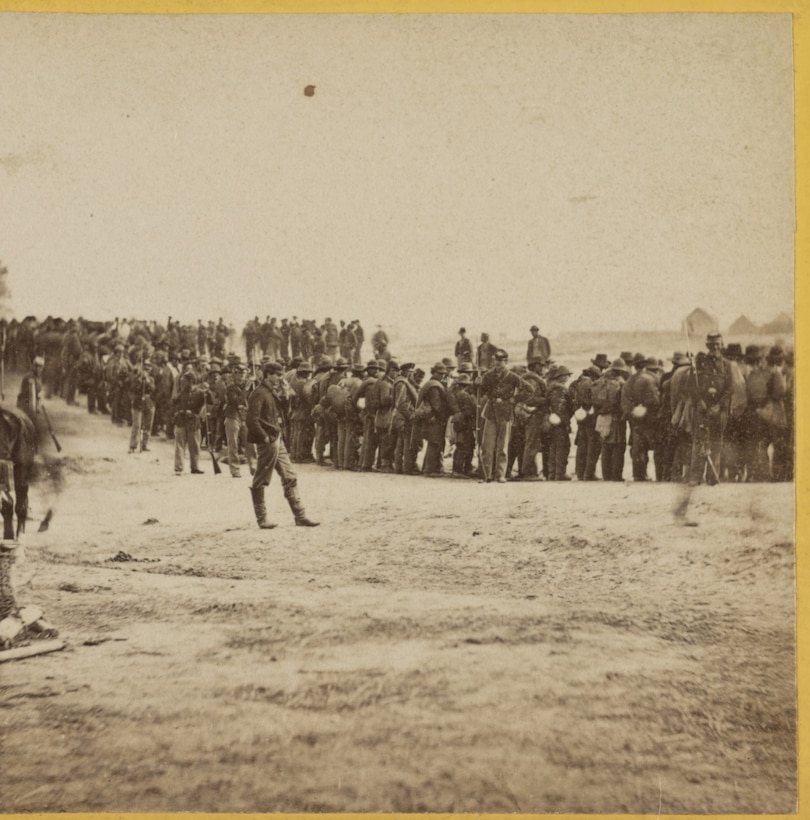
(776, 354)
(626, 356)
(733, 351)
(465, 367)
(639, 360)
(304, 367)
(407, 366)
(341, 363)
(273, 369)
(541, 360)
(373, 365)
(601, 361)
(392, 365)
(357, 368)
(620, 365)
(559, 371)
(651, 363)
(753, 353)
(463, 378)
(679, 358)
(594, 371)
(439, 367)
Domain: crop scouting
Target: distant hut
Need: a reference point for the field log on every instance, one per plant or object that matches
(783, 323)
(698, 323)
(742, 326)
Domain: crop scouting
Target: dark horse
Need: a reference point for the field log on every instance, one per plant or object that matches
(18, 447)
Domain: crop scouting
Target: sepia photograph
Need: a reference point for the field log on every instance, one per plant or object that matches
(311, 326)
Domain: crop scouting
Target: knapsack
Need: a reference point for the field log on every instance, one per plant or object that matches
(604, 393)
(756, 386)
(372, 395)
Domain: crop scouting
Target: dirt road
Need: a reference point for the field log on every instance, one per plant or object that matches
(435, 645)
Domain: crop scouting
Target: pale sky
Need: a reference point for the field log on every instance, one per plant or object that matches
(582, 172)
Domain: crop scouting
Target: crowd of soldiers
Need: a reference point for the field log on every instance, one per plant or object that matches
(724, 415)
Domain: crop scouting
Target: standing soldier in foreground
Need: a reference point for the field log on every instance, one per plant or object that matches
(141, 389)
(233, 410)
(711, 394)
(264, 423)
(561, 408)
(498, 389)
(640, 402)
(186, 409)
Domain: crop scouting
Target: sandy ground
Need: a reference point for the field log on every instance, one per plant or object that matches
(435, 645)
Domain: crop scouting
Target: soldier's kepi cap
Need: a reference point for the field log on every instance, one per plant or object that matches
(714, 339)
(533, 327)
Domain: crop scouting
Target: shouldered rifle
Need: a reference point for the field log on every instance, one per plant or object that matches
(50, 429)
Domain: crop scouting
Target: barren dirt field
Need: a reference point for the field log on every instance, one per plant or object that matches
(434, 646)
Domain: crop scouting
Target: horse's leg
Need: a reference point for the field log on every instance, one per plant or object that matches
(6, 502)
(21, 492)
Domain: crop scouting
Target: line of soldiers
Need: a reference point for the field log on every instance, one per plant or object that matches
(722, 415)
(305, 339)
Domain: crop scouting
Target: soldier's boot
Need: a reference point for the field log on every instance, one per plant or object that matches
(297, 507)
(257, 494)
